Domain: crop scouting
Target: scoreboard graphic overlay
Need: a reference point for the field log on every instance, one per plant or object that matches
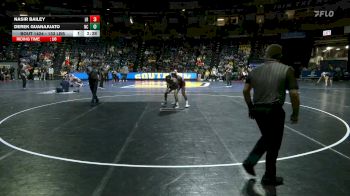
(53, 28)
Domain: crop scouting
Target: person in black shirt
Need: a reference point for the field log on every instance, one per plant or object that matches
(24, 69)
(93, 74)
(270, 82)
(12, 73)
(64, 86)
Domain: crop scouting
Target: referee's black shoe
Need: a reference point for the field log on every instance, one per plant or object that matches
(249, 168)
(271, 181)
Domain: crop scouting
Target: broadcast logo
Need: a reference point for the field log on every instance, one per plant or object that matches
(324, 13)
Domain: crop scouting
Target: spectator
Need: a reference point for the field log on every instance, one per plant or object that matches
(51, 72)
(124, 71)
(228, 74)
(43, 73)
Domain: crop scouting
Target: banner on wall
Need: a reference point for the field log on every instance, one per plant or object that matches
(9, 64)
(142, 76)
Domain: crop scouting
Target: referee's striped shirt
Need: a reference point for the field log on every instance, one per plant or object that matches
(270, 82)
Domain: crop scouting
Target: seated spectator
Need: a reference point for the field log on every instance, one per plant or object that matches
(64, 86)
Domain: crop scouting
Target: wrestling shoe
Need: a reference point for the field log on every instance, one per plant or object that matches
(187, 105)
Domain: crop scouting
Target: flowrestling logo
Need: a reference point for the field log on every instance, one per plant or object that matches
(324, 13)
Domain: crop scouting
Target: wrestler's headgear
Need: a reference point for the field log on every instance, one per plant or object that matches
(167, 78)
(173, 74)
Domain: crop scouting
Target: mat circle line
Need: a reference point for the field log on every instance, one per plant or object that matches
(165, 166)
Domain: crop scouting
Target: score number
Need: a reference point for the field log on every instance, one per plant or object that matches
(94, 18)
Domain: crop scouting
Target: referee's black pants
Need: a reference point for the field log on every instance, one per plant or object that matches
(93, 87)
(270, 119)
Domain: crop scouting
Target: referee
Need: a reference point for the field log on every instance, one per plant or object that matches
(23, 73)
(93, 74)
(270, 82)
